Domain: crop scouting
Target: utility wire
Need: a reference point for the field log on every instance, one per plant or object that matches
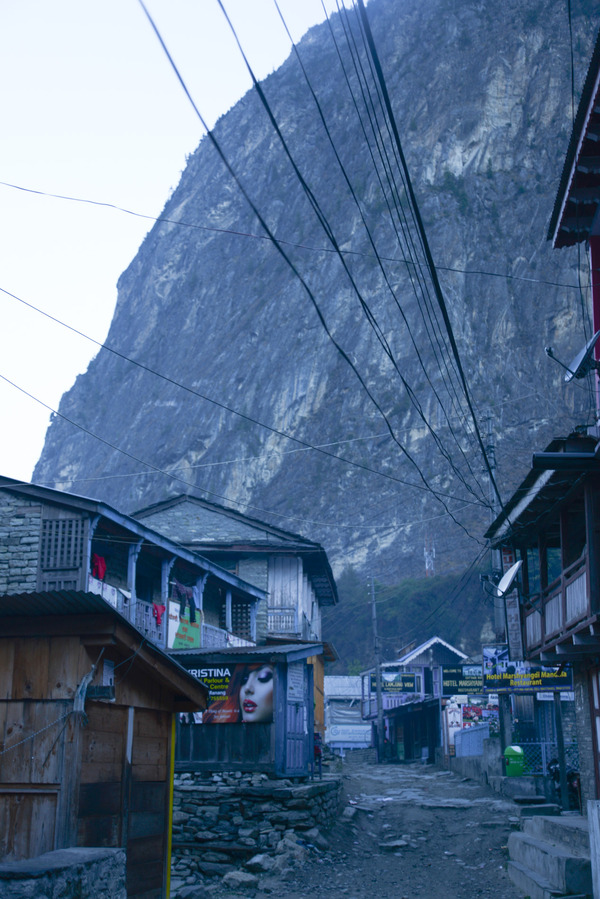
(154, 469)
(377, 256)
(299, 246)
(304, 444)
(293, 268)
(434, 277)
(418, 283)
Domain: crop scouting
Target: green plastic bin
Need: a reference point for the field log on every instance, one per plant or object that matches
(515, 761)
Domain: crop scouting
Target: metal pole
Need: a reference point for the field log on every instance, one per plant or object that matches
(380, 733)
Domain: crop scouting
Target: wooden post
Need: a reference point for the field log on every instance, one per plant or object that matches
(228, 615)
(594, 244)
(560, 745)
(593, 814)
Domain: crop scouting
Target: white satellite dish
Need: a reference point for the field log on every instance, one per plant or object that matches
(583, 363)
(506, 582)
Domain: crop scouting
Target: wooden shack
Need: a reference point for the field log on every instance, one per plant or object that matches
(260, 711)
(87, 733)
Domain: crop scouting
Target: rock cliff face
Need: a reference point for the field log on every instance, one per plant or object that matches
(481, 93)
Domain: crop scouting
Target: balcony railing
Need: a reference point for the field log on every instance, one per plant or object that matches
(564, 603)
(141, 615)
(217, 637)
(283, 620)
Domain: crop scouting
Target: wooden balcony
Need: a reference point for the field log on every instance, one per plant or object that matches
(560, 609)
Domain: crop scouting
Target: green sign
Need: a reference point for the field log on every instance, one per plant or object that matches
(395, 682)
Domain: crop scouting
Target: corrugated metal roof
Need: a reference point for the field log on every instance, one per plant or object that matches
(288, 651)
(59, 602)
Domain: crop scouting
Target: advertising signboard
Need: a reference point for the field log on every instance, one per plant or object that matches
(467, 679)
(237, 693)
(504, 675)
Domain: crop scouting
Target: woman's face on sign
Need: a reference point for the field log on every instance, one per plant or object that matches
(256, 694)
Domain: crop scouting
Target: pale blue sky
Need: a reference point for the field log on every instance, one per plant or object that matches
(90, 108)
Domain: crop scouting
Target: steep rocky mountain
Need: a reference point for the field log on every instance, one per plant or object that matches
(482, 97)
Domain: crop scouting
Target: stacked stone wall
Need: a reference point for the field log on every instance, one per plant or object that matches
(20, 530)
(66, 874)
(221, 822)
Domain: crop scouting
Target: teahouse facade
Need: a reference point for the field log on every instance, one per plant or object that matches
(259, 715)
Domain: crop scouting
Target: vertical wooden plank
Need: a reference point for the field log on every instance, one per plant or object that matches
(169, 819)
(30, 678)
(126, 777)
(7, 662)
(64, 667)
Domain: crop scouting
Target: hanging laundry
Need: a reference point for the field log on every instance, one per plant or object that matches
(158, 610)
(98, 567)
(185, 595)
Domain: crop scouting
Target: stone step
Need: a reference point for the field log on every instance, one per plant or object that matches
(571, 831)
(528, 799)
(566, 873)
(534, 886)
(538, 810)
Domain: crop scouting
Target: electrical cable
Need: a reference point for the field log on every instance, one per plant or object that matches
(293, 268)
(433, 331)
(304, 444)
(299, 246)
(373, 245)
(438, 290)
(156, 470)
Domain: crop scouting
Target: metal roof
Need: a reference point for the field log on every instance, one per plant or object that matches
(289, 652)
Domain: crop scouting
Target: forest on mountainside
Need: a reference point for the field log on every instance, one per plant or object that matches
(457, 608)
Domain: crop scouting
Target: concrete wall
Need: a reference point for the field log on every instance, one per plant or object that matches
(66, 874)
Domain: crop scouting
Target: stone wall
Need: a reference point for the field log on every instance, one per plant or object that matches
(223, 823)
(20, 529)
(66, 874)
(585, 741)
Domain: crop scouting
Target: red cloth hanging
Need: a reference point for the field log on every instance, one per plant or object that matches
(158, 610)
(98, 567)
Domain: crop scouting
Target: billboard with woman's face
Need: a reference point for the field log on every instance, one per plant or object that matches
(238, 693)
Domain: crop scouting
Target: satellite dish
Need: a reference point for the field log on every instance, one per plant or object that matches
(583, 363)
(506, 583)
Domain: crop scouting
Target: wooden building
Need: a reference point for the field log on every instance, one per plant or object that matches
(293, 571)
(552, 525)
(51, 540)
(251, 725)
(87, 731)
(411, 699)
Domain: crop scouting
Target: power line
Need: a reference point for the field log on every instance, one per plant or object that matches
(299, 246)
(304, 444)
(154, 469)
(293, 268)
(416, 212)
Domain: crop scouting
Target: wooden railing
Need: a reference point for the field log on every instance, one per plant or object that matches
(559, 607)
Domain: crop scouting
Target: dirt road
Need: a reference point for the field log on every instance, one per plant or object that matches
(407, 832)
(414, 832)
